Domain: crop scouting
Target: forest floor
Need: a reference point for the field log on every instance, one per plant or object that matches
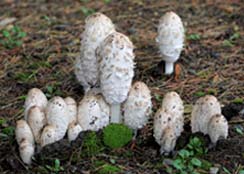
(39, 41)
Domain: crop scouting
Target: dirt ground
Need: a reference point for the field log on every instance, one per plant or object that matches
(212, 62)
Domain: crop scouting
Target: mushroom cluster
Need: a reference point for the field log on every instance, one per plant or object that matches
(206, 117)
(169, 122)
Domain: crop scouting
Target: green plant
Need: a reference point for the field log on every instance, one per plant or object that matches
(200, 94)
(231, 40)
(109, 169)
(12, 38)
(56, 168)
(87, 11)
(194, 36)
(188, 159)
(52, 90)
(116, 135)
(238, 100)
(91, 144)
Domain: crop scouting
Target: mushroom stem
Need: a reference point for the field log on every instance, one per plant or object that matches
(115, 113)
(169, 67)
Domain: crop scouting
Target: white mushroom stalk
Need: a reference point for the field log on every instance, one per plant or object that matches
(93, 113)
(35, 97)
(206, 117)
(36, 120)
(138, 106)
(97, 28)
(116, 67)
(25, 140)
(170, 39)
(57, 119)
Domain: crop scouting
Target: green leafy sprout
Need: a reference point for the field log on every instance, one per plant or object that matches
(12, 38)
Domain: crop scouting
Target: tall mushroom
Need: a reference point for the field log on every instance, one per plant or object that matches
(206, 117)
(138, 106)
(35, 97)
(170, 39)
(97, 28)
(25, 141)
(93, 112)
(116, 64)
(57, 120)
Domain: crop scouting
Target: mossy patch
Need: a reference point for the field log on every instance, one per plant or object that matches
(116, 135)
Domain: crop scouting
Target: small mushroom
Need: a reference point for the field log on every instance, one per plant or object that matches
(58, 117)
(25, 141)
(73, 131)
(97, 28)
(217, 128)
(36, 120)
(72, 109)
(26, 150)
(93, 113)
(116, 64)
(138, 106)
(168, 140)
(202, 112)
(170, 39)
(35, 97)
(49, 135)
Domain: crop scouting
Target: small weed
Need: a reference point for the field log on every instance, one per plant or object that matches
(12, 38)
(87, 11)
(226, 170)
(231, 40)
(194, 37)
(116, 135)
(238, 101)
(107, 1)
(200, 94)
(109, 169)
(92, 144)
(56, 168)
(239, 129)
(7, 132)
(188, 159)
(52, 90)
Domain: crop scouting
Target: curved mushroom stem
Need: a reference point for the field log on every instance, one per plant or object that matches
(169, 67)
(115, 113)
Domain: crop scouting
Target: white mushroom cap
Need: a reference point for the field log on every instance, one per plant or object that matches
(168, 140)
(35, 97)
(202, 112)
(72, 109)
(217, 128)
(23, 132)
(170, 38)
(73, 131)
(49, 135)
(97, 28)
(93, 113)
(166, 129)
(172, 103)
(138, 106)
(26, 150)
(116, 66)
(36, 120)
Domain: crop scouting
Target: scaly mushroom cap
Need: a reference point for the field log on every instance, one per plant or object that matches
(170, 37)
(217, 128)
(57, 115)
(162, 121)
(35, 97)
(97, 28)
(172, 103)
(23, 132)
(115, 56)
(36, 120)
(138, 106)
(202, 112)
(49, 135)
(93, 113)
(26, 151)
(168, 140)
(72, 109)
(73, 131)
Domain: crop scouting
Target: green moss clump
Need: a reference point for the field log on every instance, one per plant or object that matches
(116, 135)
